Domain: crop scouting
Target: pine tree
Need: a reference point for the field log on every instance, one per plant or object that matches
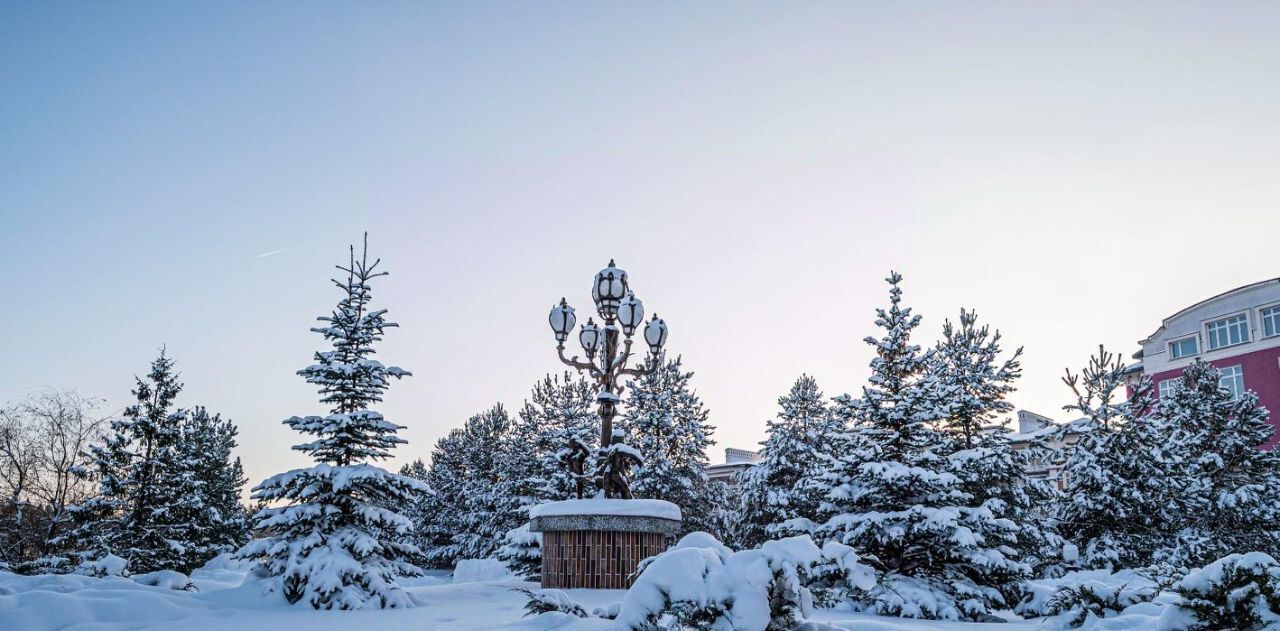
(891, 496)
(211, 480)
(488, 509)
(967, 364)
(333, 542)
(775, 502)
(443, 507)
(138, 513)
(558, 408)
(668, 425)
(1232, 485)
(1120, 502)
(417, 508)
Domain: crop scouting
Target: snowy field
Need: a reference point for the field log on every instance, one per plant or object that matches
(226, 600)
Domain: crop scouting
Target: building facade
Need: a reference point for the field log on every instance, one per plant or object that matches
(735, 462)
(1238, 332)
(1046, 443)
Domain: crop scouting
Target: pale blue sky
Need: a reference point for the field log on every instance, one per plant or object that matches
(1075, 171)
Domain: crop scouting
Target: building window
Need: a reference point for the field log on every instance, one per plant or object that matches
(1271, 321)
(1228, 331)
(1185, 347)
(1233, 380)
(1169, 386)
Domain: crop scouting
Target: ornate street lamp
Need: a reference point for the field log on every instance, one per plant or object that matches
(608, 348)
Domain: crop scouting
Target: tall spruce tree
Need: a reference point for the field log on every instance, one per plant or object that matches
(967, 363)
(333, 542)
(892, 497)
(1120, 503)
(1232, 488)
(139, 513)
(668, 426)
(775, 501)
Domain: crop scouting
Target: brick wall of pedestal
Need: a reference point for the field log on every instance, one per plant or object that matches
(595, 559)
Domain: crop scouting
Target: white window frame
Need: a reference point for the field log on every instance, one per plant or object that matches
(1167, 387)
(1209, 337)
(1193, 337)
(1263, 317)
(1236, 376)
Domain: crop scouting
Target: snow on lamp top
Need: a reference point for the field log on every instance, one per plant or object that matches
(562, 320)
(609, 289)
(655, 333)
(630, 314)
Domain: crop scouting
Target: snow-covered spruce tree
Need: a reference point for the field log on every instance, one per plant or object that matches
(442, 509)
(488, 509)
(772, 493)
(1123, 485)
(332, 543)
(967, 363)
(216, 523)
(892, 497)
(144, 484)
(1232, 489)
(521, 551)
(668, 425)
(723, 515)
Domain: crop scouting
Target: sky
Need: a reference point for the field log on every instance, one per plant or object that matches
(185, 175)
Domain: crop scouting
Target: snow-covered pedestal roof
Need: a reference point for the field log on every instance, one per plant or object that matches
(606, 515)
(659, 509)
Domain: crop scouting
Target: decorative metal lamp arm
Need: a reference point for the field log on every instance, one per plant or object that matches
(580, 365)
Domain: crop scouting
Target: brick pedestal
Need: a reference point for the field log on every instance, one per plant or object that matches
(584, 546)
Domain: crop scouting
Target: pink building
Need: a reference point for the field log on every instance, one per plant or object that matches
(1237, 331)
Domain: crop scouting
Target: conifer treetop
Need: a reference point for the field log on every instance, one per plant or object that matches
(350, 380)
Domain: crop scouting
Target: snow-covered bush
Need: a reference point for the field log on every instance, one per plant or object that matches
(1077, 604)
(839, 575)
(167, 579)
(547, 600)
(522, 552)
(1239, 591)
(1094, 590)
(108, 565)
(699, 584)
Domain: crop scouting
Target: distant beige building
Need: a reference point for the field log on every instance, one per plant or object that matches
(735, 462)
(1054, 438)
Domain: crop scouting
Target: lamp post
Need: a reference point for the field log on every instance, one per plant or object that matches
(608, 347)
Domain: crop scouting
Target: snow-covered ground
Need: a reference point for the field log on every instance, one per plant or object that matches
(228, 601)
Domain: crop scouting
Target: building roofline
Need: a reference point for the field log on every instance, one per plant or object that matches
(1165, 322)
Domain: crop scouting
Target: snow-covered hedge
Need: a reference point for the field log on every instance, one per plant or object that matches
(1239, 591)
(700, 584)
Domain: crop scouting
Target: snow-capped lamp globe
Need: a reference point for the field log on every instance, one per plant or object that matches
(625, 530)
(609, 290)
(655, 334)
(562, 320)
(630, 314)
